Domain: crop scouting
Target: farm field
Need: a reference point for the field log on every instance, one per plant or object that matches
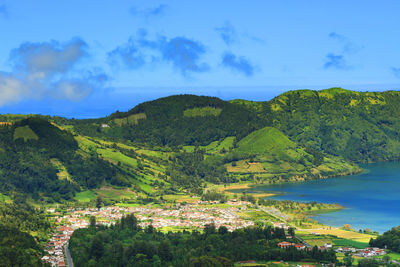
(360, 237)
(85, 196)
(113, 194)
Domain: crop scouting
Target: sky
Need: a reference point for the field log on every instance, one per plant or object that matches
(87, 59)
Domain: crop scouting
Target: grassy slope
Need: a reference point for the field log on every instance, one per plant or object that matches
(214, 147)
(274, 155)
(112, 152)
(266, 140)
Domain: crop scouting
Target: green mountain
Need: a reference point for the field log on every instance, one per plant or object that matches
(179, 143)
(270, 156)
(359, 126)
(175, 120)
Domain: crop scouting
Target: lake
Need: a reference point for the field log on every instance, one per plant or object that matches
(372, 199)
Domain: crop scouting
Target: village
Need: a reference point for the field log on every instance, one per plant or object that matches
(195, 215)
(169, 218)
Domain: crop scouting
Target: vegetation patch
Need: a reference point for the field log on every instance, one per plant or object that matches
(25, 132)
(62, 171)
(113, 194)
(344, 234)
(130, 120)
(85, 196)
(265, 140)
(4, 198)
(350, 243)
(202, 112)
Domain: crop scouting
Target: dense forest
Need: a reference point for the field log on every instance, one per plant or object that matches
(360, 126)
(176, 120)
(17, 246)
(190, 170)
(389, 239)
(126, 244)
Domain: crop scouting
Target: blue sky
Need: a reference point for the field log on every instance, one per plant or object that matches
(90, 58)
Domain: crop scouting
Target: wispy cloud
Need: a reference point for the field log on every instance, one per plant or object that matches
(338, 60)
(149, 12)
(348, 46)
(182, 53)
(254, 38)
(227, 33)
(333, 61)
(49, 69)
(127, 56)
(396, 72)
(4, 11)
(240, 64)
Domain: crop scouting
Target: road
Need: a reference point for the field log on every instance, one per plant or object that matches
(284, 218)
(302, 241)
(68, 256)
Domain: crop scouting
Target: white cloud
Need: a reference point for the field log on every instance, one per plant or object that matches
(49, 69)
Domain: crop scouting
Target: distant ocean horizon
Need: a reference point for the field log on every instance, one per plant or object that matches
(104, 102)
(371, 199)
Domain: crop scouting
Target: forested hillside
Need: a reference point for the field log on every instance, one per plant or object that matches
(17, 246)
(32, 150)
(359, 126)
(176, 120)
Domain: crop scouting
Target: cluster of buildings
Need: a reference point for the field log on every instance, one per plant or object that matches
(188, 216)
(181, 216)
(302, 246)
(56, 245)
(367, 252)
(286, 244)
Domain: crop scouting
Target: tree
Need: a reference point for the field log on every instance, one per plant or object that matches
(348, 259)
(291, 231)
(368, 263)
(222, 230)
(347, 226)
(92, 221)
(97, 248)
(99, 202)
(209, 229)
(164, 251)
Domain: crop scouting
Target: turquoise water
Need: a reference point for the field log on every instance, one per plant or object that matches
(372, 199)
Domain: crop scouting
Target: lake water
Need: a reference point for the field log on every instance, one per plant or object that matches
(372, 199)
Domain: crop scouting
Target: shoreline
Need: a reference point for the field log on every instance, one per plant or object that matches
(248, 185)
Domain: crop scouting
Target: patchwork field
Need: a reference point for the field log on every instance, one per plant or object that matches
(336, 237)
(342, 234)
